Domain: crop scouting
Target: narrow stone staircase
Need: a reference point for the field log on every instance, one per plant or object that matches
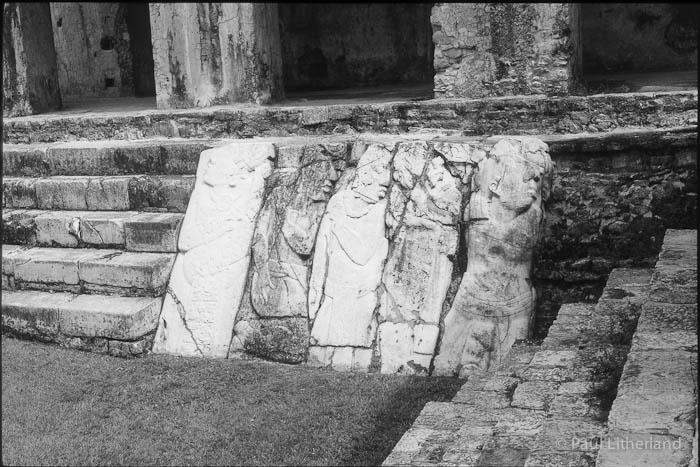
(548, 403)
(89, 238)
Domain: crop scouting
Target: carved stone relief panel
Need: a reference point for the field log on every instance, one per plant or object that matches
(277, 295)
(351, 249)
(495, 301)
(208, 277)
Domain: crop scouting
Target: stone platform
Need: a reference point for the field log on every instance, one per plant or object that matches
(531, 115)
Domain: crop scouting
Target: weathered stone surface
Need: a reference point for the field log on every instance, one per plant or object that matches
(500, 49)
(521, 115)
(349, 256)
(47, 315)
(155, 232)
(536, 395)
(142, 273)
(83, 193)
(160, 192)
(541, 458)
(29, 70)
(282, 340)
(19, 226)
(78, 228)
(340, 358)
(209, 273)
(239, 58)
(622, 448)
(495, 302)
(424, 205)
(19, 192)
(52, 265)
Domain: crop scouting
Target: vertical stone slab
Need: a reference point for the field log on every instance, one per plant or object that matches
(216, 53)
(209, 274)
(495, 301)
(497, 49)
(274, 321)
(351, 248)
(29, 72)
(425, 202)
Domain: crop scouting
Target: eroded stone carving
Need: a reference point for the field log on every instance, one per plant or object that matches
(282, 244)
(495, 301)
(351, 248)
(425, 202)
(208, 276)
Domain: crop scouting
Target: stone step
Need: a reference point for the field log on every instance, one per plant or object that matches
(103, 158)
(653, 419)
(86, 270)
(613, 150)
(122, 326)
(129, 230)
(489, 116)
(158, 193)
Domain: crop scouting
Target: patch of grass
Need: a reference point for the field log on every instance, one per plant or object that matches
(65, 407)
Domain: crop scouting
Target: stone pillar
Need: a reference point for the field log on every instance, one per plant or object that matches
(216, 53)
(498, 49)
(29, 72)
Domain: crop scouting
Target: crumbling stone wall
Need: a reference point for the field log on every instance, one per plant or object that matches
(639, 36)
(348, 44)
(93, 49)
(497, 49)
(608, 209)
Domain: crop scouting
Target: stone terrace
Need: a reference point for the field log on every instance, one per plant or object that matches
(550, 404)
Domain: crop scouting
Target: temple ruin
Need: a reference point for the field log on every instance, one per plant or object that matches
(500, 192)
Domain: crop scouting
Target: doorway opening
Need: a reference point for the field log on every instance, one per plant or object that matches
(356, 50)
(628, 47)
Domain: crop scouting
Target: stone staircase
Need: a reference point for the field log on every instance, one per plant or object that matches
(567, 401)
(89, 238)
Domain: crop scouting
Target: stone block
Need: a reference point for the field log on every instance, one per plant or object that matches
(62, 193)
(146, 272)
(9, 256)
(24, 160)
(667, 293)
(425, 338)
(108, 193)
(482, 399)
(282, 340)
(577, 405)
(33, 313)
(621, 277)
(19, 192)
(19, 226)
(123, 318)
(572, 434)
(678, 257)
(622, 448)
(675, 277)
(680, 238)
(542, 458)
(73, 228)
(153, 232)
(52, 265)
(534, 394)
(161, 192)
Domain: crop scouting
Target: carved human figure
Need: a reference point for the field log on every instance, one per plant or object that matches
(209, 273)
(351, 248)
(495, 301)
(284, 238)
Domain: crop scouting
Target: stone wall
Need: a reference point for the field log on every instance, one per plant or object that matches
(345, 44)
(92, 49)
(609, 208)
(639, 37)
(497, 49)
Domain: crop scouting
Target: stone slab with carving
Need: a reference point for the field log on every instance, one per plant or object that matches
(495, 301)
(209, 274)
(298, 192)
(351, 248)
(425, 202)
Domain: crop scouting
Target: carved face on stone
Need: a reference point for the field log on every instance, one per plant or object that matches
(516, 176)
(372, 177)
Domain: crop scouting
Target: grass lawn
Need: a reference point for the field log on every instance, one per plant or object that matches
(67, 407)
